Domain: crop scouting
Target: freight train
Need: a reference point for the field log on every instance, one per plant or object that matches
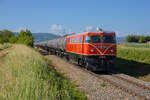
(94, 51)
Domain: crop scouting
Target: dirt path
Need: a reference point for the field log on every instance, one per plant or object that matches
(91, 85)
(3, 53)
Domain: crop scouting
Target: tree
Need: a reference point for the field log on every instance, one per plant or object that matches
(13, 39)
(142, 39)
(132, 38)
(25, 37)
(5, 35)
(147, 38)
(3, 40)
(137, 38)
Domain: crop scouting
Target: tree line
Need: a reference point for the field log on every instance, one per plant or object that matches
(24, 37)
(137, 38)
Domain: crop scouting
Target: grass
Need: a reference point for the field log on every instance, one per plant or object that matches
(4, 46)
(103, 84)
(134, 54)
(25, 75)
(134, 61)
(138, 45)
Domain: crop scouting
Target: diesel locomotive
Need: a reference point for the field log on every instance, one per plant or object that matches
(94, 51)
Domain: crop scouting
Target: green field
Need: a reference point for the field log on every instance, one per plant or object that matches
(134, 60)
(138, 45)
(25, 75)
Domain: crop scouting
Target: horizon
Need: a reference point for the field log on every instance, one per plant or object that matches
(61, 17)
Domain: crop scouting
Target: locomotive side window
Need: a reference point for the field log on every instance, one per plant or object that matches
(72, 40)
(109, 39)
(80, 39)
(87, 39)
(77, 40)
(68, 40)
(93, 39)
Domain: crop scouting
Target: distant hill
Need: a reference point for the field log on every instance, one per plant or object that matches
(43, 36)
(39, 37)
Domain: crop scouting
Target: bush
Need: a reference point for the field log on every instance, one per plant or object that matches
(13, 39)
(3, 39)
(142, 39)
(5, 35)
(25, 37)
(137, 38)
(132, 38)
(147, 38)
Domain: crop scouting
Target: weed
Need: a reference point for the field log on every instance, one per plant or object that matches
(25, 75)
(103, 84)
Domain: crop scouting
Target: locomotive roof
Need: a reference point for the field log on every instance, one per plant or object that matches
(90, 33)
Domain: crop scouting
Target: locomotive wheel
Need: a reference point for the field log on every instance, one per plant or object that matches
(86, 65)
(67, 58)
(80, 63)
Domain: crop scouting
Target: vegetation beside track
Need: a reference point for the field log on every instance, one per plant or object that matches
(138, 45)
(134, 60)
(25, 75)
(4, 46)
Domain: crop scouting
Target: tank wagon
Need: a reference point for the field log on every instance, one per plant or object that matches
(94, 51)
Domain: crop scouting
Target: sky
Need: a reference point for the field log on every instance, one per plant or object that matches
(67, 16)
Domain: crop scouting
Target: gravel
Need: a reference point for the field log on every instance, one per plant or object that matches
(135, 88)
(136, 80)
(89, 84)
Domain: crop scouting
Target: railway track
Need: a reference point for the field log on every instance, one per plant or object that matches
(122, 82)
(132, 87)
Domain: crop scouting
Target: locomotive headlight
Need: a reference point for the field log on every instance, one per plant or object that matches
(92, 50)
(111, 50)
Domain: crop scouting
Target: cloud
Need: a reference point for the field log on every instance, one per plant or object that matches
(21, 28)
(118, 33)
(91, 29)
(88, 28)
(59, 30)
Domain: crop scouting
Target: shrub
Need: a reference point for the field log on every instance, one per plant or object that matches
(5, 35)
(3, 40)
(137, 38)
(25, 37)
(103, 84)
(132, 38)
(142, 39)
(13, 39)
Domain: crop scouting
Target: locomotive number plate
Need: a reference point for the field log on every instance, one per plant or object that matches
(102, 56)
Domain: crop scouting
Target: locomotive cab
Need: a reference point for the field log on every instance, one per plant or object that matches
(100, 50)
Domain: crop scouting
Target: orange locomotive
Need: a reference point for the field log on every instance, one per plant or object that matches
(94, 51)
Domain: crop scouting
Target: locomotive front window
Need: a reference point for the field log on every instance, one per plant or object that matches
(109, 39)
(93, 39)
